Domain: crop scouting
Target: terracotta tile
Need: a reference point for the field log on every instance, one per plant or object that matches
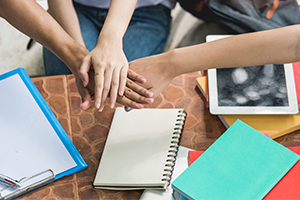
(39, 83)
(168, 105)
(185, 104)
(73, 87)
(56, 85)
(75, 105)
(64, 191)
(90, 194)
(59, 104)
(173, 93)
(87, 119)
(96, 133)
(89, 129)
(190, 122)
(82, 145)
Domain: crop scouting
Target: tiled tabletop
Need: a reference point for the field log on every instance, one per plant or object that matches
(88, 131)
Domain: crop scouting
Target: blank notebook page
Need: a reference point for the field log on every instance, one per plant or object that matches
(136, 149)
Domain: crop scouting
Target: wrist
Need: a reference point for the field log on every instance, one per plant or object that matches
(72, 55)
(173, 58)
(114, 39)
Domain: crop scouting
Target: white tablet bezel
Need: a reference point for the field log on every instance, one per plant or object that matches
(243, 110)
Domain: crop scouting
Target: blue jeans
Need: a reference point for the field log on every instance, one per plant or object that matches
(146, 35)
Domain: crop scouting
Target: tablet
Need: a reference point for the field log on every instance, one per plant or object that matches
(265, 89)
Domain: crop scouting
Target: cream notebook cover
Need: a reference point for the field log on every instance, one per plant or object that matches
(140, 149)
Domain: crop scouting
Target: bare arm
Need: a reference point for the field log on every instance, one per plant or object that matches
(34, 21)
(64, 13)
(31, 19)
(108, 57)
(276, 46)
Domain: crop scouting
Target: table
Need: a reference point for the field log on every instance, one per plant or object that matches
(88, 131)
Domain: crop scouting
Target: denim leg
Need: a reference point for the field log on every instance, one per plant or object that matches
(91, 21)
(147, 33)
(90, 28)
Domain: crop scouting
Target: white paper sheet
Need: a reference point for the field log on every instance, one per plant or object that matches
(28, 143)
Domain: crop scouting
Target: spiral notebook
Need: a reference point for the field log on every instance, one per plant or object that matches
(140, 149)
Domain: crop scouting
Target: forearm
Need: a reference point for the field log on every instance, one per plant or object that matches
(34, 21)
(117, 20)
(276, 46)
(64, 13)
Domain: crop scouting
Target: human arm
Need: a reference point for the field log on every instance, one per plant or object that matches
(64, 13)
(34, 21)
(31, 19)
(108, 57)
(275, 46)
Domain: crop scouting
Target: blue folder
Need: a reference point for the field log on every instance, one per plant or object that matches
(62, 138)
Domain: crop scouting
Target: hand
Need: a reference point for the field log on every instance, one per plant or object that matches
(109, 62)
(134, 97)
(74, 62)
(155, 69)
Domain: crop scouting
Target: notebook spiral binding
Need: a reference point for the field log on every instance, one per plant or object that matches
(172, 153)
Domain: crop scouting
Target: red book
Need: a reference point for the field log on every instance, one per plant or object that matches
(287, 188)
(296, 67)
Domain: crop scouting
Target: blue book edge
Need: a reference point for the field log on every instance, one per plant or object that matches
(81, 164)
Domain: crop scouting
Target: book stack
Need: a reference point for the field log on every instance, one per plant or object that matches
(240, 164)
(273, 125)
(286, 188)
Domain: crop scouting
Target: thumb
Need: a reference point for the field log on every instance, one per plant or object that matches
(84, 69)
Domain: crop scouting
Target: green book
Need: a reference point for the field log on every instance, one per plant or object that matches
(241, 164)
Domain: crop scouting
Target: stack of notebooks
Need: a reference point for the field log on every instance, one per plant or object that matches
(241, 164)
(273, 125)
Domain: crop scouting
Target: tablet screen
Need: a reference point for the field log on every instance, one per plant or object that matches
(263, 85)
(265, 89)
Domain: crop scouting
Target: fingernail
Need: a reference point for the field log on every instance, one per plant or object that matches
(127, 109)
(111, 105)
(85, 83)
(100, 109)
(97, 105)
(148, 93)
(139, 105)
(121, 93)
(143, 79)
(149, 100)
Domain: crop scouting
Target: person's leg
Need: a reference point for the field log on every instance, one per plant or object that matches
(53, 65)
(147, 32)
(90, 31)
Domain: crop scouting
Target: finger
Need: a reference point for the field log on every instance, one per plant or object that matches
(123, 79)
(85, 95)
(135, 97)
(136, 77)
(86, 100)
(99, 81)
(139, 89)
(129, 103)
(114, 88)
(84, 69)
(106, 88)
